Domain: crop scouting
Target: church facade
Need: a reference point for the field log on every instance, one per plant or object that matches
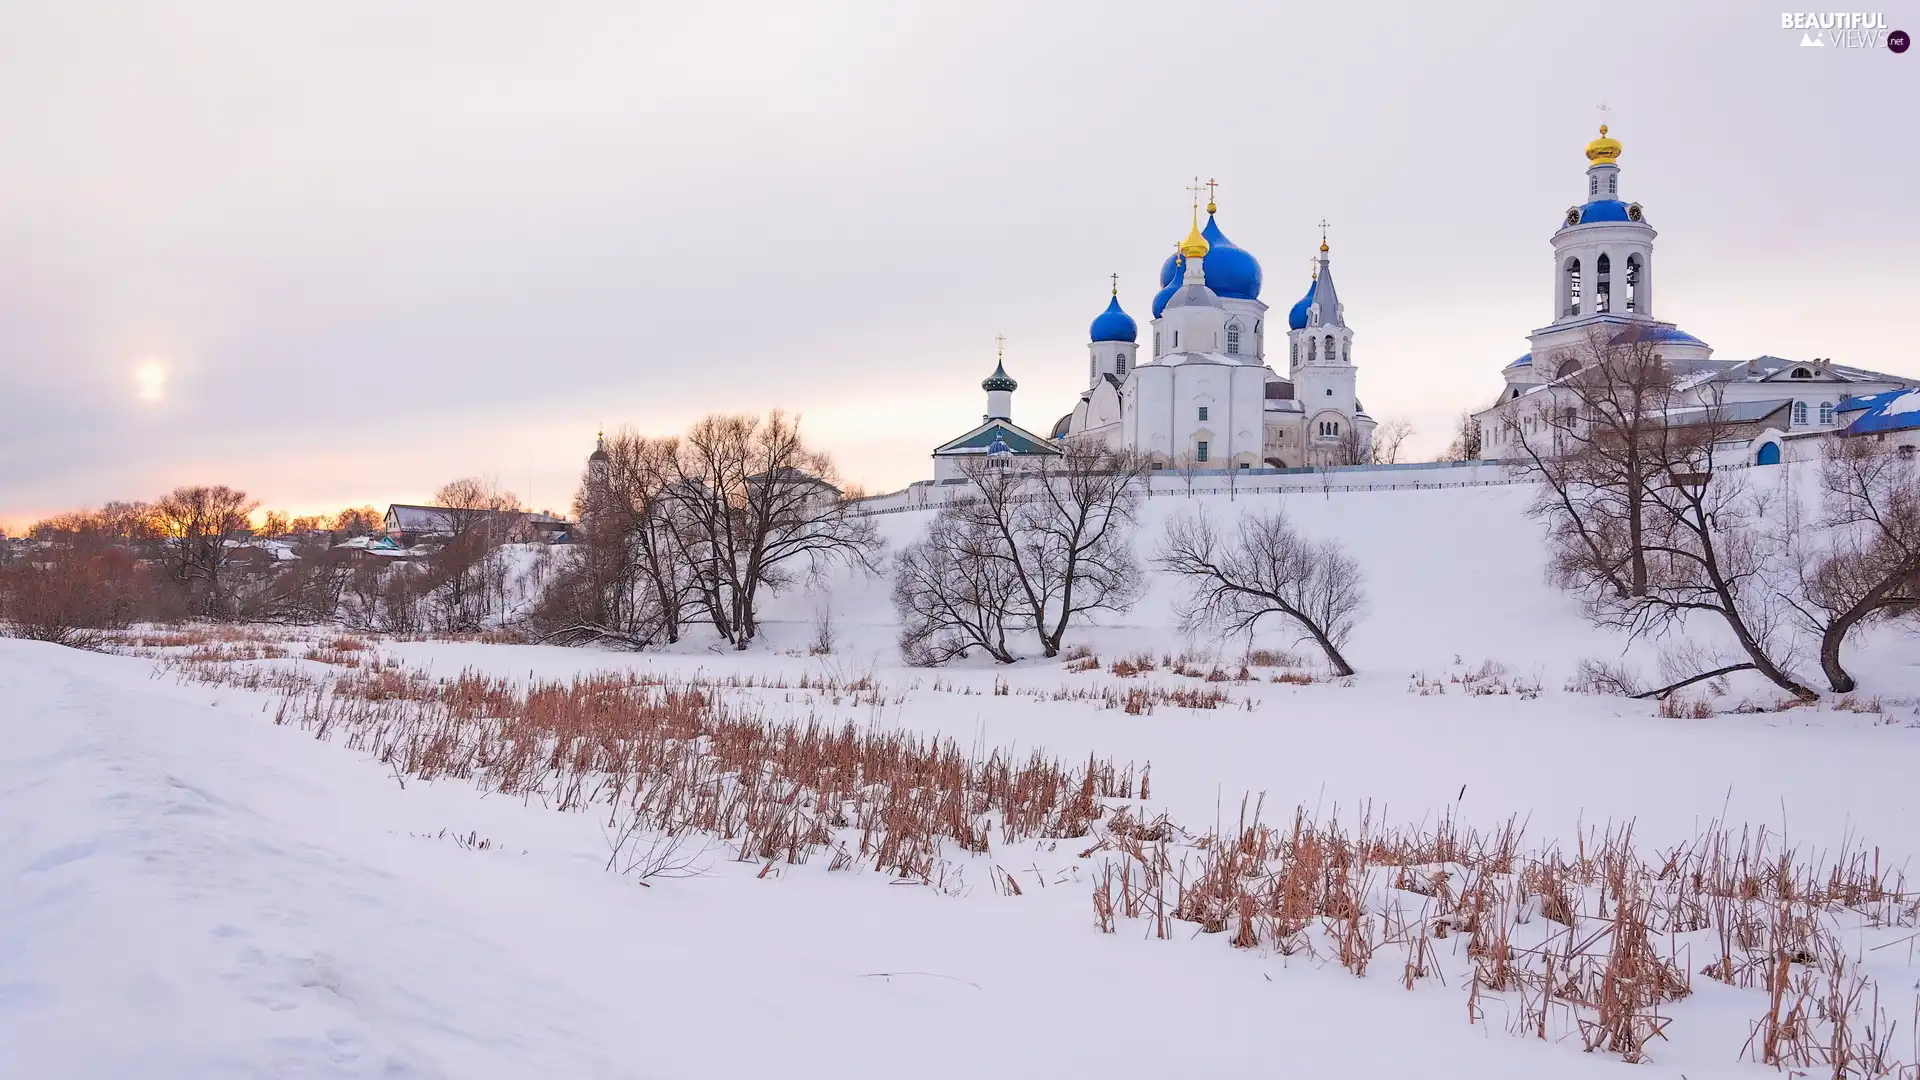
(1205, 396)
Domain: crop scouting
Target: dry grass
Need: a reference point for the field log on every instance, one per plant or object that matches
(1591, 945)
(1594, 945)
(671, 756)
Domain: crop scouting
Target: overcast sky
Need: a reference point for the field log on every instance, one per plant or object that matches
(375, 246)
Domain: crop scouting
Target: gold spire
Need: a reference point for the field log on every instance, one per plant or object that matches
(1603, 150)
(1195, 246)
(1323, 236)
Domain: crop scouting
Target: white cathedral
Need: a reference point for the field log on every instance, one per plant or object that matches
(1206, 397)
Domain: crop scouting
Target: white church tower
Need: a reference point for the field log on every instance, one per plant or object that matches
(1602, 282)
(1320, 355)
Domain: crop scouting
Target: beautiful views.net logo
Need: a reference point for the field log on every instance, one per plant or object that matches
(1845, 30)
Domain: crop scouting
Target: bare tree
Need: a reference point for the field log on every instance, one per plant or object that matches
(1067, 523)
(1643, 524)
(628, 583)
(126, 524)
(955, 590)
(755, 508)
(70, 593)
(1351, 447)
(1266, 568)
(199, 526)
(1388, 439)
(1042, 544)
(1467, 444)
(468, 574)
(1189, 467)
(303, 593)
(1593, 437)
(357, 521)
(1869, 568)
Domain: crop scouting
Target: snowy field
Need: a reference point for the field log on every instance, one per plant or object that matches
(188, 889)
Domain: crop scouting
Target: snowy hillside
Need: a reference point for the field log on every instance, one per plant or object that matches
(191, 889)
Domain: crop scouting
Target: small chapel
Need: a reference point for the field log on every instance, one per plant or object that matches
(1206, 396)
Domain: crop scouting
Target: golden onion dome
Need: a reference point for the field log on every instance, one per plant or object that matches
(1603, 151)
(1194, 246)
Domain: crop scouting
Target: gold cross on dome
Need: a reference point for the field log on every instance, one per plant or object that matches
(1195, 189)
(1000, 346)
(1211, 185)
(1323, 230)
(1116, 283)
(1605, 111)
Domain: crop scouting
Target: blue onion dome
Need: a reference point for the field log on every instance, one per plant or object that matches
(1113, 324)
(1169, 282)
(1297, 318)
(999, 380)
(1232, 271)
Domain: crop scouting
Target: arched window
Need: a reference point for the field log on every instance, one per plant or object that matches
(1633, 283)
(1330, 353)
(1313, 345)
(1593, 186)
(1093, 370)
(1120, 364)
(1611, 181)
(1256, 326)
(1573, 287)
(1801, 373)
(1296, 352)
(1799, 412)
(1176, 339)
(1826, 412)
(1156, 343)
(1233, 337)
(1346, 352)
(1567, 367)
(1603, 284)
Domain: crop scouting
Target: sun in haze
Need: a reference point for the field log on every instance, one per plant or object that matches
(151, 379)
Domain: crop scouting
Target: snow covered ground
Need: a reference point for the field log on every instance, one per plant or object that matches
(188, 890)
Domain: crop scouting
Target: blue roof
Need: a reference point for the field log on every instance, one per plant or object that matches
(1601, 210)
(1526, 360)
(1297, 318)
(1866, 401)
(1113, 324)
(1659, 335)
(1896, 410)
(1002, 433)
